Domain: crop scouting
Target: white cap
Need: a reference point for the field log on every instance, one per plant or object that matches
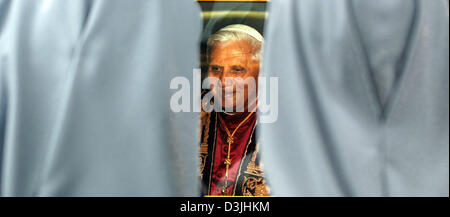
(244, 29)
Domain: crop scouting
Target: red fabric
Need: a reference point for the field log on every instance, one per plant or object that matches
(241, 138)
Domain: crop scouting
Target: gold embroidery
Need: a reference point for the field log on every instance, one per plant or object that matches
(252, 168)
(213, 151)
(255, 186)
(202, 164)
(205, 119)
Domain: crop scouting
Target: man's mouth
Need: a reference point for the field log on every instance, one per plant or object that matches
(228, 91)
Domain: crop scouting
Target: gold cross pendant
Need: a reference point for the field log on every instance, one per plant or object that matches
(225, 188)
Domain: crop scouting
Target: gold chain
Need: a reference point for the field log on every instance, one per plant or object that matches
(230, 141)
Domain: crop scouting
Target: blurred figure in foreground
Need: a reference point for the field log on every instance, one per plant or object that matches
(364, 98)
(84, 89)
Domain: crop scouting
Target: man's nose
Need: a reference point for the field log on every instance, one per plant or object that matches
(226, 74)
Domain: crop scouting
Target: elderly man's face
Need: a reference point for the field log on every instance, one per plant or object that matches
(234, 60)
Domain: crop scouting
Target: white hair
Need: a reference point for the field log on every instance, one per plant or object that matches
(237, 32)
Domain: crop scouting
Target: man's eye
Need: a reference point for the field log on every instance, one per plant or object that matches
(215, 68)
(238, 70)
